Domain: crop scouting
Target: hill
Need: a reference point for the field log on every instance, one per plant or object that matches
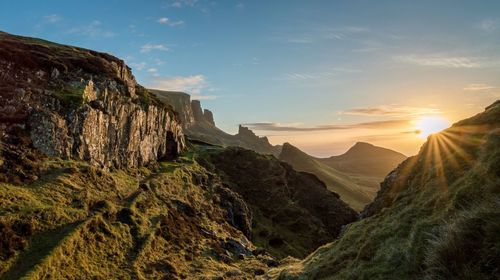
(350, 191)
(436, 216)
(97, 180)
(366, 159)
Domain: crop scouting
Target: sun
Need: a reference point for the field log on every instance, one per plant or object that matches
(428, 125)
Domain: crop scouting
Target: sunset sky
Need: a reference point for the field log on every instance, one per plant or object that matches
(319, 74)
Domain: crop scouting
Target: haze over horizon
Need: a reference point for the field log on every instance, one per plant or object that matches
(319, 74)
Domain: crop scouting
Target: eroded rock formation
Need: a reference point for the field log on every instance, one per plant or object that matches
(79, 103)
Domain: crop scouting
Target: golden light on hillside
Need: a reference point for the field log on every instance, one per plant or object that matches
(428, 125)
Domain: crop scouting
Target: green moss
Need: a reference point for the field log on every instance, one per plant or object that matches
(70, 96)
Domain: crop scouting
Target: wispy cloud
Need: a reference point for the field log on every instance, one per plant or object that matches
(305, 76)
(184, 3)
(52, 18)
(489, 25)
(477, 87)
(195, 85)
(202, 5)
(94, 29)
(443, 61)
(343, 32)
(154, 47)
(301, 76)
(167, 21)
(392, 111)
(139, 66)
(269, 126)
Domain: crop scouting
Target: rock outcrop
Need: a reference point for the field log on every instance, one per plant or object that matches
(199, 125)
(208, 116)
(180, 101)
(78, 103)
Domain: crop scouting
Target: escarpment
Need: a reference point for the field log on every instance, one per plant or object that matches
(199, 124)
(77, 103)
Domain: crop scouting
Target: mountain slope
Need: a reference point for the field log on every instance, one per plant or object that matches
(436, 216)
(289, 207)
(366, 159)
(354, 194)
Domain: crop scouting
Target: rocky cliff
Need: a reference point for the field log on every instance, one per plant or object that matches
(199, 125)
(77, 103)
(180, 101)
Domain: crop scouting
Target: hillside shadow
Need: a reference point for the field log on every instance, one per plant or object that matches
(40, 247)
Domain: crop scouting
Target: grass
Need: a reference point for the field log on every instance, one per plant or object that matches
(124, 233)
(438, 219)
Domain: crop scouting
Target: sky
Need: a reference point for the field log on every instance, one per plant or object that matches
(321, 75)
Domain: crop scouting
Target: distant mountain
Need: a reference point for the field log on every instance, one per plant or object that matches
(437, 215)
(353, 190)
(199, 125)
(366, 159)
(355, 175)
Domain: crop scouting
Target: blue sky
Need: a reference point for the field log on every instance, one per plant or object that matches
(312, 73)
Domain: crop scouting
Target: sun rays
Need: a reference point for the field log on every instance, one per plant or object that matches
(444, 157)
(428, 125)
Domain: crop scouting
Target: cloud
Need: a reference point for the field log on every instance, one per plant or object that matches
(240, 6)
(138, 66)
(296, 76)
(488, 25)
(151, 47)
(269, 126)
(182, 3)
(305, 76)
(392, 111)
(202, 5)
(194, 85)
(93, 29)
(52, 18)
(477, 87)
(443, 61)
(340, 33)
(168, 22)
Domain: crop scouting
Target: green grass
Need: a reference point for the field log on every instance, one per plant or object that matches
(440, 221)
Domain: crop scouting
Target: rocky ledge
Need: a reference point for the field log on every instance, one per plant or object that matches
(76, 103)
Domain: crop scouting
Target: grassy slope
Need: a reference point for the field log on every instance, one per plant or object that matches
(436, 217)
(352, 189)
(294, 213)
(366, 159)
(79, 222)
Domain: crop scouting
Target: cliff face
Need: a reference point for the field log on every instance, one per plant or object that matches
(199, 124)
(180, 101)
(80, 103)
(189, 111)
